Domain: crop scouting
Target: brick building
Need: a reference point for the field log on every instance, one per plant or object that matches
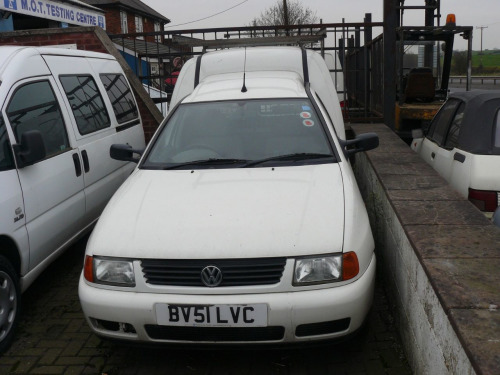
(131, 16)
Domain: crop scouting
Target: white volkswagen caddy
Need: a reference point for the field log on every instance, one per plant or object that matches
(242, 222)
(60, 112)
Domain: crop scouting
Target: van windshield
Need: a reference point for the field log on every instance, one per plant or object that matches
(241, 134)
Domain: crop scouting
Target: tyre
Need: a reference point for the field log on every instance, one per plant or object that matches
(9, 303)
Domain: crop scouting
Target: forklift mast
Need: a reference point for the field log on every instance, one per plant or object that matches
(412, 98)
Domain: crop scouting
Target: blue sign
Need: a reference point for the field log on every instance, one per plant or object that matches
(10, 4)
(57, 11)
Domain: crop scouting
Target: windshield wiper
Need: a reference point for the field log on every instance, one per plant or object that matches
(211, 161)
(299, 156)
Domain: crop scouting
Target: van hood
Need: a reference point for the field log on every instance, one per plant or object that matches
(224, 213)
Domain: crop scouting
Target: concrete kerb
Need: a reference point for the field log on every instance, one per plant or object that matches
(435, 340)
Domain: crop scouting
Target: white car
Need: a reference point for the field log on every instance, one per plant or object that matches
(463, 145)
(242, 222)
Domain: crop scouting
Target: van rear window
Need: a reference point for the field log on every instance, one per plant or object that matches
(86, 102)
(121, 97)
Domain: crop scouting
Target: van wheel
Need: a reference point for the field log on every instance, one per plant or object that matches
(9, 303)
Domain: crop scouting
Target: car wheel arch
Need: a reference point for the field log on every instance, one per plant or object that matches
(10, 302)
(11, 253)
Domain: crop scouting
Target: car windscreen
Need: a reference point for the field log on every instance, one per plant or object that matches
(241, 134)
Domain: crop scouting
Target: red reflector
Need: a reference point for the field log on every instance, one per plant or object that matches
(88, 273)
(342, 104)
(484, 200)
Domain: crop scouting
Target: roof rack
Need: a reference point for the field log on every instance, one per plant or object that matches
(249, 42)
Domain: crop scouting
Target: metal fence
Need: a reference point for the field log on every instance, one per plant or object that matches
(156, 57)
(476, 79)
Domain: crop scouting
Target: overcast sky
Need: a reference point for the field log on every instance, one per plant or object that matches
(468, 12)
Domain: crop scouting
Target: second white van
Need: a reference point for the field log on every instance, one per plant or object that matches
(61, 110)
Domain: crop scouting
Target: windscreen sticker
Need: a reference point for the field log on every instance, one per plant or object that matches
(306, 108)
(308, 123)
(305, 114)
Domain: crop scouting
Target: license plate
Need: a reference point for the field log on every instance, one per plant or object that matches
(212, 316)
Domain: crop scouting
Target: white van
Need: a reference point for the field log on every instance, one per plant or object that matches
(60, 112)
(244, 221)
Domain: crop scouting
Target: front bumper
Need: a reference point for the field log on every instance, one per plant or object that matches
(293, 317)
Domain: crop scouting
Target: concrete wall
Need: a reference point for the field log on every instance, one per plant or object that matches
(440, 258)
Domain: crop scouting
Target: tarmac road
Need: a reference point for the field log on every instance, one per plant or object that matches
(53, 338)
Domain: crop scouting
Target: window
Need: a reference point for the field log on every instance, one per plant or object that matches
(35, 107)
(6, 157)
(441, 121)
(123, 22)
(157, 29)
(121, 97)
(244, 130)
(456, 124)
(86, 102)
(138, 26)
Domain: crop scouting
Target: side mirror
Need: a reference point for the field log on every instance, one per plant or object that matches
(124, 153)
(31, 149)
(363, 142)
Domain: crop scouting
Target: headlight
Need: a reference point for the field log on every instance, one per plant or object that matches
(318, 269)
(109, 271)
(324, 269)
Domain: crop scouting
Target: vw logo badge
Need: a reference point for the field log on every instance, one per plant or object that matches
(211, 276)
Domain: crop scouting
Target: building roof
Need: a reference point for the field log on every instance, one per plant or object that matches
(146, 49)
(135, 5)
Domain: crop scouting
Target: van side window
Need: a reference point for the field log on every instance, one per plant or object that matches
(35, 107)
(121, 97)
(6, 158)
(86, 102)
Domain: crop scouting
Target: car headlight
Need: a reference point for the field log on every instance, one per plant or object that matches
(118, 272)
(324, 269)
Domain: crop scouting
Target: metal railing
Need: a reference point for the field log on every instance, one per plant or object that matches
(154, 56)
(475, 79)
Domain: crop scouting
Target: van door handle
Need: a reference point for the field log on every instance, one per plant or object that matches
(78, 166)
(459, 157)
(433, 155)
(85, 157)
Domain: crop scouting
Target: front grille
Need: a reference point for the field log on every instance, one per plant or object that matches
(220, 334)
(235, 272)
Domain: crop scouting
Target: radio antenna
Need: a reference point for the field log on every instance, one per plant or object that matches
(244, 88)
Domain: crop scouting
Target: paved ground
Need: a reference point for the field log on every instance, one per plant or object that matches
(53, 338)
